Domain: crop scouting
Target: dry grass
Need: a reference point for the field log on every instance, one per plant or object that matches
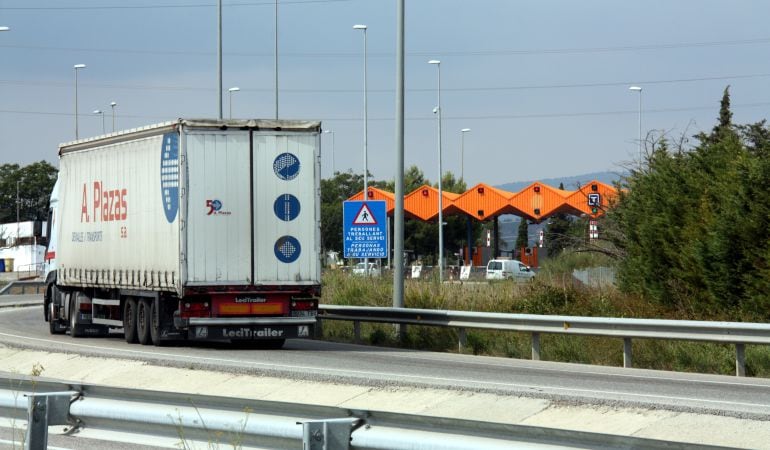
(552, 293)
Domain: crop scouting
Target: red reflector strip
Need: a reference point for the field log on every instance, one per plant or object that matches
(231, 309)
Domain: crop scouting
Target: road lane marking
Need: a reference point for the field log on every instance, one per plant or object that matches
(423, 356)
(14, 443)
(450, 381)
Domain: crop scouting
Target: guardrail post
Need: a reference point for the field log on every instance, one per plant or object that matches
(357, 332)
(536, 346)
(627, 363)
(740, 360)
(328, 434)
(462, 340)
(43, 410)
(318, 329)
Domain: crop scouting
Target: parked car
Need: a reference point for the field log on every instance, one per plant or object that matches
(504, 269)
(374, 269)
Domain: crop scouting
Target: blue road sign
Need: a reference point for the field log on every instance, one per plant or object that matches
(364, 230)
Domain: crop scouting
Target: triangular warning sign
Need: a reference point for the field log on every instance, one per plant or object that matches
(364, 216)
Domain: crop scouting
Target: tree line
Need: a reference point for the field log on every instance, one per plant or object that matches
(690, 227)
(34, 182)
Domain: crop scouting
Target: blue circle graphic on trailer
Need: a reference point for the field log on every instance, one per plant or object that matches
(286, 166)
(287, 249)
(169, 175)
(286, 207)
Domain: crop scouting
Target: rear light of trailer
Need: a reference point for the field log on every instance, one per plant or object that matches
(303, 305)
(194, 309)
(304, 308)
(85, 307)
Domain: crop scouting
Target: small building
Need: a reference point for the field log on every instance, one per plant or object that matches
(22, 246)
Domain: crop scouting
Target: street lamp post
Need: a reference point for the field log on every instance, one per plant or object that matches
(113, 105)
(366, 117)
(437, 110)
(332, 133)
(366, 132)
(77, 67)
(462, 151)
(639, 90)
(18, 203)
(101, 113)
(219, 59)
(231, 90)
(275, 54)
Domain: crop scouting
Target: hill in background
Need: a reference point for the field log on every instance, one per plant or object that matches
(570, 183)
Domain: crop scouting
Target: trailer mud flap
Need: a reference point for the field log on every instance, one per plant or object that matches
(248, 333)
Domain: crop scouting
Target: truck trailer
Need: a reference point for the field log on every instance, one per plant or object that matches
(195, 229)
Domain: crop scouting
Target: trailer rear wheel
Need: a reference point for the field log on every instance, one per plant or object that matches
(129, 320)
(76, 330)
(155, 323)
(143, 321)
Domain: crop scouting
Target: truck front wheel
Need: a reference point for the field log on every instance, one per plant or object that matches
(53, 322)
(76, 330)
(129, 320)
(143, 321)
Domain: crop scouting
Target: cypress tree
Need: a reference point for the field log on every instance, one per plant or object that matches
(523, 238)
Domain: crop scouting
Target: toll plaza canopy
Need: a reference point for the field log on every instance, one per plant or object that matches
(536, 202)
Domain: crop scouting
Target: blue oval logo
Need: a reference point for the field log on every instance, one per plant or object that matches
(169, 175)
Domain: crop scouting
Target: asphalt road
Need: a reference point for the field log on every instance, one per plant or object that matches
(341, 363)
(11, 439)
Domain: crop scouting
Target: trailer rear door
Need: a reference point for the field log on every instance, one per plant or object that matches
(286, 237)
(218, 207)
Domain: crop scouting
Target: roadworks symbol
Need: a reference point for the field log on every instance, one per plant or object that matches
(364, 216)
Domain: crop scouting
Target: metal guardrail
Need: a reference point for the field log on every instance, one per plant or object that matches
(737, 333)
(264, 424)
(29, 271)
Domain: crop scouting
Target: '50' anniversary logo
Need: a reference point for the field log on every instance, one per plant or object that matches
(215, 208)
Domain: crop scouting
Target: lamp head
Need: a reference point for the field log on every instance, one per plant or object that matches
(113, 104)
(434, 61)
(79, 66)
(465, 130)
(234, 89)
(359, 27)
(5, 29)
(635, 88)
(97, 111)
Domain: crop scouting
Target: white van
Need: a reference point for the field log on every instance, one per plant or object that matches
(504, 269)
(374, 269)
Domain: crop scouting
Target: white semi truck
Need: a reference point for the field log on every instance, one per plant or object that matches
(194, 229)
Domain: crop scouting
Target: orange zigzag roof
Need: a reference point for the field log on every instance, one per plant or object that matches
(483, 202)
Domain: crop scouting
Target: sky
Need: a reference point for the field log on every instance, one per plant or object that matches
(543, 85)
